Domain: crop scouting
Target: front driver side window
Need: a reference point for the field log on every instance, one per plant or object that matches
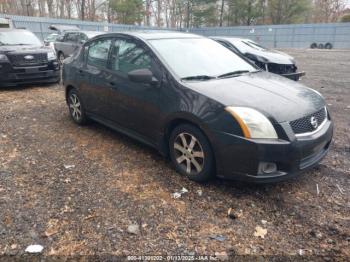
(128, 56)
(98, 52)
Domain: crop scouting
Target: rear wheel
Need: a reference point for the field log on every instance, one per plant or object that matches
(76, 108)
(190, 153)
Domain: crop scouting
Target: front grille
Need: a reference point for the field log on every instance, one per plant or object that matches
(28, 59)
(281, 69)
(304, 125)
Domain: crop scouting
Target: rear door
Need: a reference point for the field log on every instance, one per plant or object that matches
(95, 87)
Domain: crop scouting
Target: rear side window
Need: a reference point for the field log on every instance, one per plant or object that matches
(98, 52)
(128, 56)
(71, 37)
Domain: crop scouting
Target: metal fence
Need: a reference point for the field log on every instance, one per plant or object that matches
(287, 36)
(40, 25)
(279, 36)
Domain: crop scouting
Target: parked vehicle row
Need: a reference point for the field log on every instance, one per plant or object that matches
(210, 110)
(209, 107)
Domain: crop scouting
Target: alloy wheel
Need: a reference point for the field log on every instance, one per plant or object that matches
(189, 153)
(75, 107)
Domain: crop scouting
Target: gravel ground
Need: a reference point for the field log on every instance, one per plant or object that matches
(75, 190)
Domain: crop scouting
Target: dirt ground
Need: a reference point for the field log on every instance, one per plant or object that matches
(75, 190)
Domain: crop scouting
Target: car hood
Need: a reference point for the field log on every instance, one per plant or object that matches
(23, 49)
(277, 97)
(272, 56)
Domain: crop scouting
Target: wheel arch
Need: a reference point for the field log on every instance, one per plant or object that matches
(68, 89)
(172, 123)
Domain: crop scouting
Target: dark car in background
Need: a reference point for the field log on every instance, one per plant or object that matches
(25, 60)
(70, 41)
(201, 104)
(269, 60)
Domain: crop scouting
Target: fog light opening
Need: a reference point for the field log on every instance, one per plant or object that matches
(267, 168)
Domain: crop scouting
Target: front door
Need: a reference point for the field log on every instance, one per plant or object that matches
(134, 105)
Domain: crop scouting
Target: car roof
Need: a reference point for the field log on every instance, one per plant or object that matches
(155, 34)
(82, 31)
(13, 30)
(63, 28)
(230, 38)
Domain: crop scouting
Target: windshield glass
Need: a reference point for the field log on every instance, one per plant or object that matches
(254, 45)
(244, 45)
(199, 57)
(18, 38)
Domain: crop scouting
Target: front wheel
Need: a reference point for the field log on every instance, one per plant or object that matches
(76, 108)
(191, 153)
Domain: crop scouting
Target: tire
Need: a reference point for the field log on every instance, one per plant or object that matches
(60, 58)
(313, 46)
(320, 46)
(76, 108)
(328, 46)
(191, 153)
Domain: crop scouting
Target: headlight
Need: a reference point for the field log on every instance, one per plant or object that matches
(51, 55)
(253, 123)
(3, 57)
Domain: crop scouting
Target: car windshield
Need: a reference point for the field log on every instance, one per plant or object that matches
(199, 58)
(244, 45)
(19, 38)
(254, 45)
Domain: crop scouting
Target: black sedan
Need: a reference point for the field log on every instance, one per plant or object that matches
(25, 60)
(196, 101)
(269, 60)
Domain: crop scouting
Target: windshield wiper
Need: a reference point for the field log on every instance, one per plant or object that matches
(234, 73)
(198, 77)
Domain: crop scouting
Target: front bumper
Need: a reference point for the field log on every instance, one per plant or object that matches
(294, 76)
(14, 76)
(239, 158)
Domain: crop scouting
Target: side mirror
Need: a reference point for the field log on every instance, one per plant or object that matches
(144, 76)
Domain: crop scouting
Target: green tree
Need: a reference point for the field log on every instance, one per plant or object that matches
(199, 12)
(288, 11)
(128, 11)
(345, 18)
(243, 12)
